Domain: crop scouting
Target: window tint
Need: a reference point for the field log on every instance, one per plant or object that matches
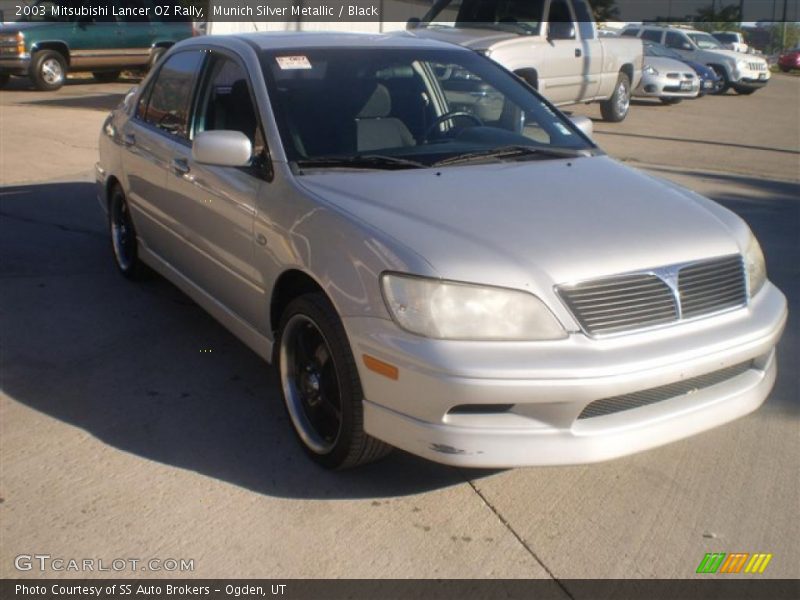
(629, 33)
(226, 103)
(560, 15)
(675, 40)
(171, 95)
(585, 21)
(652, 35)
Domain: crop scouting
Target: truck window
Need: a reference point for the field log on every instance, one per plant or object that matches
(675, 40)
(519, 16)
(560, 13)
(585, 20)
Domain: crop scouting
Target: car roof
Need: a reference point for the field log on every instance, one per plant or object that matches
(289, 40)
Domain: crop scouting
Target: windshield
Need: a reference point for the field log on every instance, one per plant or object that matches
(516, 16)
(653, 49)
(419, 105)
(726, 38)
(705, 41)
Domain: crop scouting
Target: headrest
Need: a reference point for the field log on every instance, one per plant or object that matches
(378, 105)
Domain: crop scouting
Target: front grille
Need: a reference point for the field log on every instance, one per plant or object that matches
(757, 66)
(640, 300)
(712, 286)
(608, 406)
(621, 303)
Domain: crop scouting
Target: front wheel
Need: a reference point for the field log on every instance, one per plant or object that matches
(4, 79)
(320, 385)
(785, 69)
(48, 70)
(744, 91)
(615, 109)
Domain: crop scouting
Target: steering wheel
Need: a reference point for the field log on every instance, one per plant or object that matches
(457, 114)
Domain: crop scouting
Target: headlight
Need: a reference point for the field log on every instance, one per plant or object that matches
(755, 265)
(649, 70)
(741, 65)
(460, 311)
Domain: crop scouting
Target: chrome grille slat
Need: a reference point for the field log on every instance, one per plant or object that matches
(616, 404)
(639, 300)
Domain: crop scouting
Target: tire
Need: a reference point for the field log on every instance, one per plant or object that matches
(107, 76)
(320, 385)
(726, 83)
(742, 91)
(48, 70)
(785, 69)
(615, 109)
(671, 100)
(4, 79)
(155, 56)
(123, 237)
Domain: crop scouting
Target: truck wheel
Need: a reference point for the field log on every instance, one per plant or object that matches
(320, 385)
(671, 100)
(615, 109)
(4, 79)
(106, 76)
(726, 83)
(785, 69)
(744, 91)
(48, 70)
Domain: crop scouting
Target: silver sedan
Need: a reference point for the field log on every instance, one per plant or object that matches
(668, 80)
(432, 255)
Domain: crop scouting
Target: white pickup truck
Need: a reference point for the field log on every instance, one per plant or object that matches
(551, 44)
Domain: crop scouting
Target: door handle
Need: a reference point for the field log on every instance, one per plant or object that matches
(578, 53)
(261, 239)
(129, 139)
(180, 166)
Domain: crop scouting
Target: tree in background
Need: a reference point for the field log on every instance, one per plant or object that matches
(727, 18)
(604, 10)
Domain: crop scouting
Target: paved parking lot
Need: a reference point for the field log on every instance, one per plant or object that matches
(119, 438)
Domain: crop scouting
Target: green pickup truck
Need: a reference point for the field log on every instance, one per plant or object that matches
(50, 38)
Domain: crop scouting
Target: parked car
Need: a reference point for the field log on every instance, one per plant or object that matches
(47, 43)
(710, 82)
(462, 275)
(666, 78)
(732, 40)
(789, 60)
(743, 73)
(551, 44)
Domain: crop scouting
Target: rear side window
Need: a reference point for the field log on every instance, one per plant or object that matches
(584, 18)
(675, 40)
(652, 35)
(171, 93)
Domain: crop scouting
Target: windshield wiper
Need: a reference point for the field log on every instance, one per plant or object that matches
(518, 151)
(364, 161)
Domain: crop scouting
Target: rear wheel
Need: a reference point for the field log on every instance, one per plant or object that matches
(671, 100)
(123, 237)
(107, 76)
(320, 385)
(615, 109)
(48, 70)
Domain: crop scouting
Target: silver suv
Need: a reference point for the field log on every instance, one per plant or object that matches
(741, 72)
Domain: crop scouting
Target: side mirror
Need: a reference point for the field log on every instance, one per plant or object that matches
(413, 23)
(222, 148)
(584, 124)
(561, 31)
(686, 46)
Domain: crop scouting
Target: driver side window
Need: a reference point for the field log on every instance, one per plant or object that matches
(675, 40)
(171, 93)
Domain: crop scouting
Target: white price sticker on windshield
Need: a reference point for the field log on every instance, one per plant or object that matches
(293, 62)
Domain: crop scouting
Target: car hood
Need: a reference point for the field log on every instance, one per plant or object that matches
(731, 54)
(532, 224)
(474, 38)
(664, 65)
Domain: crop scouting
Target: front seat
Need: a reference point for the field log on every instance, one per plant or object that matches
(375, 129)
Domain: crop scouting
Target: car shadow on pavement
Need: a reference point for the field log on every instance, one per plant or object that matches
(142, 368)
(24, 84)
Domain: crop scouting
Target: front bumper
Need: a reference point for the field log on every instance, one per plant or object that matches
(661, 86)
(548, 384)
(16, 65)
